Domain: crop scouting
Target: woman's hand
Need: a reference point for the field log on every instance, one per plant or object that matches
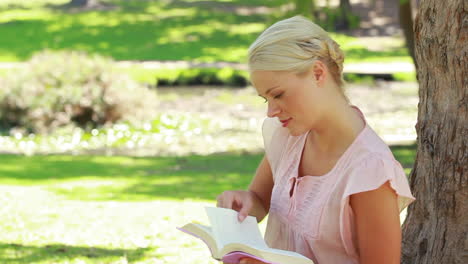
(240, 201)
(255, 201)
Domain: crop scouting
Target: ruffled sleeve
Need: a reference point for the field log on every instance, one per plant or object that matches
(274, 140)
(373, 172)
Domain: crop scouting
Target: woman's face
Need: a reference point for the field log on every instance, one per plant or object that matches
(294, 99)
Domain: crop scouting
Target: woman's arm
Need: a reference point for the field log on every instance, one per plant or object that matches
(256, 200)
(262, 186)
(377, 225)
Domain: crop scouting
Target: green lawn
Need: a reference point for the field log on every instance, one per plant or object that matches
(150, 30)
(96, 209)
(130, 178)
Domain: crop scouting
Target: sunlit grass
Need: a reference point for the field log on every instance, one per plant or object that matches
(95, 209)
(150, 30)
(39, 226)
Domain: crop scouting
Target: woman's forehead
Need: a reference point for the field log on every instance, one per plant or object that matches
(266, 77)
(263, 80)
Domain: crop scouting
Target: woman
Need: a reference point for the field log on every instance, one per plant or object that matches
(331, 187)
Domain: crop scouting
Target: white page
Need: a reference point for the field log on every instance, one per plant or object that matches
(227, 228)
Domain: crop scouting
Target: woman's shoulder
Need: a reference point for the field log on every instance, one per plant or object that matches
(370, 146)
(371, 160)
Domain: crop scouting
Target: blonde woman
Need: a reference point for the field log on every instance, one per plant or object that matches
(330, 186)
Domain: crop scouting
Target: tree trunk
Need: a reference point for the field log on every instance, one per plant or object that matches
(345, 11)
(83, 3)
(436, 226)
(305, 8)
(406, 23)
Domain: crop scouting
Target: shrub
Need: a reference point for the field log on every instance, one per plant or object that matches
(70, 88)
(192, 76)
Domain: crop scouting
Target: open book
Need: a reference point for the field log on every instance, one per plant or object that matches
(230, 240)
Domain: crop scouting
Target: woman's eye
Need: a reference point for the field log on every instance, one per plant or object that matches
(278, 96)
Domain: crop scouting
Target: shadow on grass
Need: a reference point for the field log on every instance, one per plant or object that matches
(146, 30)
(18, 253)
(148, 178)
(131, 178)
(131, 32)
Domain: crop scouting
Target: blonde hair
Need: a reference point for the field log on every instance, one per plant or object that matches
(294, 44)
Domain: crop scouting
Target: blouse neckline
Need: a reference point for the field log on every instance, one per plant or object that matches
(340, 159)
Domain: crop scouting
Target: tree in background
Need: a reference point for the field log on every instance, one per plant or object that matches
(345, 13)
(436, 226)
(305, 8)
(406, 23)
(83, 3)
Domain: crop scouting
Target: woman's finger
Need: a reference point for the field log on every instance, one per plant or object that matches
(225, 200)
(245, 208)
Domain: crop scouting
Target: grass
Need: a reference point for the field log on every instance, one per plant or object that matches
(131, 178)
(96, 209)
(150, 30)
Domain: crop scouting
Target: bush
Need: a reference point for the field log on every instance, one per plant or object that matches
(70, 88)
(203, 76)
(192, 76)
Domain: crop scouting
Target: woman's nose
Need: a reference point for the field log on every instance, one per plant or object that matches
(273, 109)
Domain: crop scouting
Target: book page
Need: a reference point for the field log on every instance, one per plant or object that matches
(227, 229)
(205, 234)
(205, 228)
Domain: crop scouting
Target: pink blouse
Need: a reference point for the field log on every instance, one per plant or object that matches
(317, 220)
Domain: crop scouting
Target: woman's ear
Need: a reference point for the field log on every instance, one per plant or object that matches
(319, 71)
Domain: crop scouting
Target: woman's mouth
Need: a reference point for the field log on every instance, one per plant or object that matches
(285, 122)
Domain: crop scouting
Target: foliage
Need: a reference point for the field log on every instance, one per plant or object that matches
(405, 76)
(359, 78)
(371, 78)
(70, 88)
(203, 76)
(189, 76)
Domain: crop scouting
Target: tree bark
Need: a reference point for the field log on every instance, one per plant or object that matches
(436, 226)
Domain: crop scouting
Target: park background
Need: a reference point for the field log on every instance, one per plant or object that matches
(120, 120)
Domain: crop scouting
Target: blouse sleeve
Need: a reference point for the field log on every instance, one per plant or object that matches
(274, 140)
(372, 173)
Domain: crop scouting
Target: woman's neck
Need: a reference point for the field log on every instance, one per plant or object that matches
(338, 130)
